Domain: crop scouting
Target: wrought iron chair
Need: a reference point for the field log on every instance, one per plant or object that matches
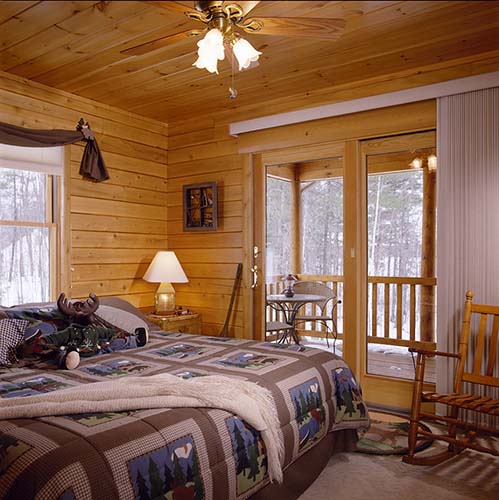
(480, 370)
(319, 288)
(279, 328)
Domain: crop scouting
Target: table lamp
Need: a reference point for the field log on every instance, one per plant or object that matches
(165, 269)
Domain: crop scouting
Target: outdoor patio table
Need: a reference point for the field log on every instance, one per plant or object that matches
(289, 306)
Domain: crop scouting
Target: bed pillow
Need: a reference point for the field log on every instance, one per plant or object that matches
(11, 337)
(123, 305)
(120, 319)
(46, 319)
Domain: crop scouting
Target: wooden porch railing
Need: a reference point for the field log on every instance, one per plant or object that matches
(399, 312)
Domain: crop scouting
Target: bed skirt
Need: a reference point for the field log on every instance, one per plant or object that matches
(304, 471)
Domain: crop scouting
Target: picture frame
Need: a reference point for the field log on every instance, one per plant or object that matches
(200, 207)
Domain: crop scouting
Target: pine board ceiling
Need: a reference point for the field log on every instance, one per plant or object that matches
(76, 47)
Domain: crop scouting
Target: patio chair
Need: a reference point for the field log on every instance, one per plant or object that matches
(481, 374)
(319, 288)
(279, 327)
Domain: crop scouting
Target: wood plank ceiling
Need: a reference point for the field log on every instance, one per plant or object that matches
(77, 47)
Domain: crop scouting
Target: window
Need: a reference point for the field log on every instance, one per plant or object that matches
(395, 218)
(322, 226)
(30, 180)
(278, 227)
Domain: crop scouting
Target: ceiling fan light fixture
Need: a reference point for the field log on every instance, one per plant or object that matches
(416, 163)
(245, 53)
(210, 51)
(432, 162)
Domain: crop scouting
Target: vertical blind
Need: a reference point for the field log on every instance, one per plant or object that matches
(468, 212)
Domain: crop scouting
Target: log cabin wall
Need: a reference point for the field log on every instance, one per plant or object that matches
(115, 227)
(202, 151)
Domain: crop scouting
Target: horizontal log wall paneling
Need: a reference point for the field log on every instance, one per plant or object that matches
(209, 258)
(202, 151)
(116, 226)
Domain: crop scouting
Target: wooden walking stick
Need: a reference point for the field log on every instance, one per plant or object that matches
(224, 332)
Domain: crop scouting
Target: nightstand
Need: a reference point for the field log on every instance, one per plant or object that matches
(184, 323)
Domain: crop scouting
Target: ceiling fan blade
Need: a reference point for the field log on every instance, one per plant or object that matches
(171, 6)
(326, 29)
(247, 6)
(146, 47)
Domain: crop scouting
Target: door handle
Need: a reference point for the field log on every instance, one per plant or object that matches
(254, 270)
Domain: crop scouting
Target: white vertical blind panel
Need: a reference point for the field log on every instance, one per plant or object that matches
(47, 160)
(468, 212)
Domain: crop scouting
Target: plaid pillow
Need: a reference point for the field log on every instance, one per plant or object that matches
(47, 320)
(11, 337)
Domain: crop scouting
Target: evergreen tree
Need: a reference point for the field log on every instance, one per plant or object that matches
(178, 473)
(168, 478)
(297, 406)
(196, 477)
(303, 405)
(309, 401)
(142, 487)
(348, 401)
(241, 453)
(188, 474)
(155, 480)
(317, 399)
(254, 469)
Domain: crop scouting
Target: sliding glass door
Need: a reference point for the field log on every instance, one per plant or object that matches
(401, 281)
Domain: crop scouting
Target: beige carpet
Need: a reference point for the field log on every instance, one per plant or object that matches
(358, 476)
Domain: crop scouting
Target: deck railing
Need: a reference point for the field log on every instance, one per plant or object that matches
(401, 310)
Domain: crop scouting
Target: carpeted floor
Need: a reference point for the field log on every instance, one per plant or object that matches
(357, 476)
(360, 476)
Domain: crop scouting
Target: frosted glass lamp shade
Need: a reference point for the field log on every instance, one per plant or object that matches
(210, 51)
(165, 269)
(432, 162)
(245, 53)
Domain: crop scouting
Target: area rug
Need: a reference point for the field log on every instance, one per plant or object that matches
(388, 435)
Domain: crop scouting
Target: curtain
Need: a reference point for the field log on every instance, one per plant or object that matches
(92, 164)
(468, 213)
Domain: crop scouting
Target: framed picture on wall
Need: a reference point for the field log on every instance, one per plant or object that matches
(201, 207)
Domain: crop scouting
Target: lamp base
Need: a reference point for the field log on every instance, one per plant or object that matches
(165, 299)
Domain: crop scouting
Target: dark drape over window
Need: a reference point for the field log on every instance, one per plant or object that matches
(92, 164)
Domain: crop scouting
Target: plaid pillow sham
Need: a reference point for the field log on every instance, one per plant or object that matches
(11, 337)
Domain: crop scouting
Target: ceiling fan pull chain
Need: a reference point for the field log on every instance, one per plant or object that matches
(232, 89)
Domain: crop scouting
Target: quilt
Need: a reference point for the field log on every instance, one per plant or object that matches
(173, 453)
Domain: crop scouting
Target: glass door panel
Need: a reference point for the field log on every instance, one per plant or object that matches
(304, 236)
(400, 255)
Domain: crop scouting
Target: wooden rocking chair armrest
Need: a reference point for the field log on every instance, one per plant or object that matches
(428, 352)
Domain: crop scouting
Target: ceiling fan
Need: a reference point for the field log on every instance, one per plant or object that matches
(224, 20)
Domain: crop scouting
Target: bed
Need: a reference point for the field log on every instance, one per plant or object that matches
(180, 453)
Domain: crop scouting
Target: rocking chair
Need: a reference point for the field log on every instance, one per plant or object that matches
(482, 370)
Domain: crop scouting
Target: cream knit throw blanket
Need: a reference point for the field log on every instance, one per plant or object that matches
(251, 402)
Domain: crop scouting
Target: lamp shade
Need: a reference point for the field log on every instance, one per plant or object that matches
(210, 51)
(165, 267)
(245, 53)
